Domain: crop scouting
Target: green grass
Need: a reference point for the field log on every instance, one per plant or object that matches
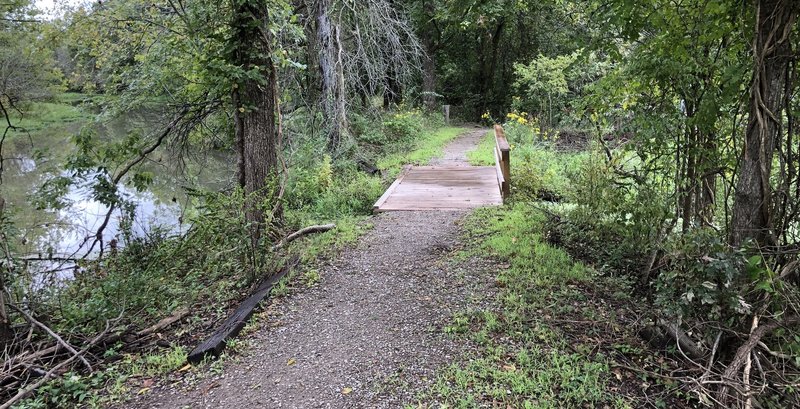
(49, 116)
(324, 246)
(534, 165)
(427, 147)
(483, 155)
(529, 377)
(523, 360)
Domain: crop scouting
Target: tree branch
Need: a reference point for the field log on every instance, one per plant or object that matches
(54, 335)
(302, 232)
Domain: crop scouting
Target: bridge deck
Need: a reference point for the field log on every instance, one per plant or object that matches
(442, 188)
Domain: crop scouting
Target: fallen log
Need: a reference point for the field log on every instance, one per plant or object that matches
(367, 167)
(664, 334)
(302, 232)
(215, 344)
(165, 322)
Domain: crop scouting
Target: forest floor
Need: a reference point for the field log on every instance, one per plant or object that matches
(369, 333)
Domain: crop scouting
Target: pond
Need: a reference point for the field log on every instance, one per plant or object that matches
(34, 156)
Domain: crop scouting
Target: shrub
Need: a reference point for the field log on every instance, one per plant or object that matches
(154, 274)
(704, 277)
(403, 126)
(352, 193)
(615, 222)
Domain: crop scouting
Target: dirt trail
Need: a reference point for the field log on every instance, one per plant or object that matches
(455, 153)
(369, 334)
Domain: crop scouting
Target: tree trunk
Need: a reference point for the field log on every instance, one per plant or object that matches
(687, 193)
(6, 334)
(238, 131)
(430, 40)
(429, 77)
(707, 198)
(256, 129)
(773, 53)
(332, 72)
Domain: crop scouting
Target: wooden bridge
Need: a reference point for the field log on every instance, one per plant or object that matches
(451, 187)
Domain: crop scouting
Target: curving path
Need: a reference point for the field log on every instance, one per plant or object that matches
(369, 334)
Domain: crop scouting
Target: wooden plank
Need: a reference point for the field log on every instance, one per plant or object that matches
(498, 168)
(435, 203)
(433, 179)
(391, 188)
(442, 188)
(433, 194)
(487, 183)
(215, 344)
(463, 174)
(410, 207)
(430, 197)
(449, 168)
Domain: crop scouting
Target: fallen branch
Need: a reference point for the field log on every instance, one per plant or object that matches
(23, 393)
(23, 360)
(53, 335)
(664, 333)
(302, 232)
(686, 345)
(165, 322)
(744, 351)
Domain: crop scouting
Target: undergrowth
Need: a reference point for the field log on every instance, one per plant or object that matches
(213, 265)
(521, 361)
(563, 333)
(539, 170)
(558, 334)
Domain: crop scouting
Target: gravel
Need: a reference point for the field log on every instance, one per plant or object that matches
(369, 334)
(454, 153)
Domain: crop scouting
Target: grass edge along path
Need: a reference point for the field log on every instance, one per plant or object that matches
(556, 337)
(428, 146)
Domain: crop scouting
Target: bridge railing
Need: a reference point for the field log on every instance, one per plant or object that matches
(502, 157)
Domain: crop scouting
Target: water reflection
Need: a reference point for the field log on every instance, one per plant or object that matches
(83, 216)
(39, 155)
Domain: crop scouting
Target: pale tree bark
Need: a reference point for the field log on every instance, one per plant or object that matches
(256, 128)
(430, 41)
(6, 334)
(334, 108)
(429, 77)
(773, 53)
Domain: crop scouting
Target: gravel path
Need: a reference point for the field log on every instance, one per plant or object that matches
(455, 152)
(369, 334)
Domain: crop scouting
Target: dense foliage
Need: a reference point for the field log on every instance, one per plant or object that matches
(666, 131)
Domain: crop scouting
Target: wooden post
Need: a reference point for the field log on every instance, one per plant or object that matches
(446, 109)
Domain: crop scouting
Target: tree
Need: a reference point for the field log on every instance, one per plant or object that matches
(211, 65)
(772, 53)
(331, 68)
(361, 49)
(255, 104)
(471, 47)
(431, 34)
